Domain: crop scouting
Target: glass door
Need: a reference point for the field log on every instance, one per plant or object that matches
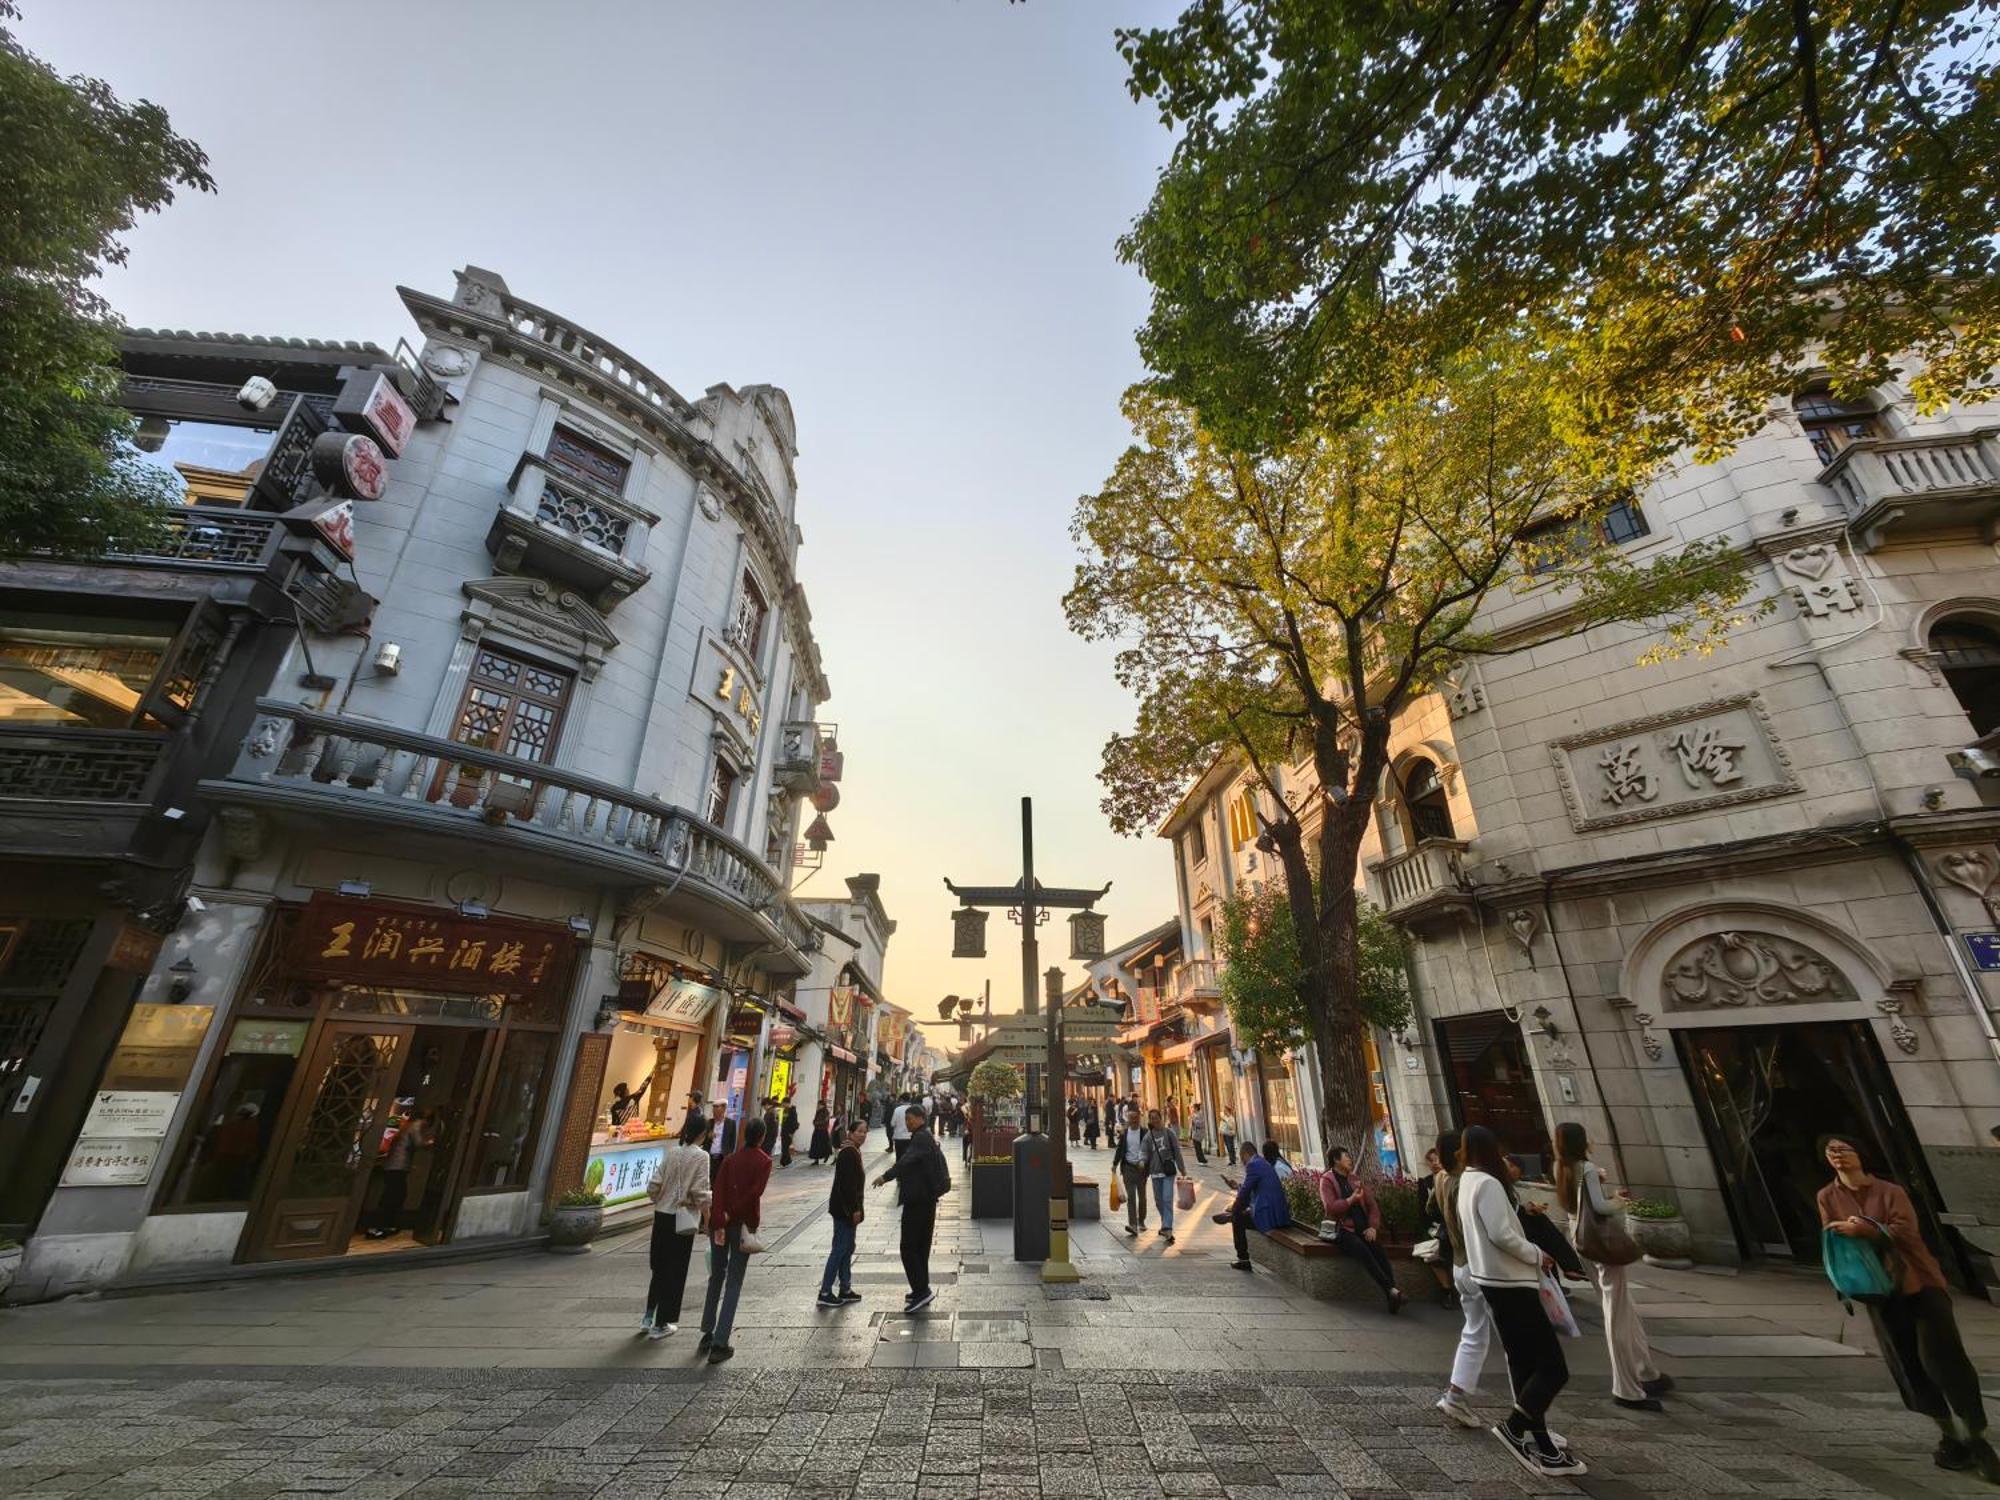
(313, 1197)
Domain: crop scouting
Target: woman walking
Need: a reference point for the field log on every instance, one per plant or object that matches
(1476, 1337)
(736, 1210)
(1914, 1325)
(821, 1148)
(1507, 1269)
(1430, 1219)
(1636, 1382)
(679, 1194)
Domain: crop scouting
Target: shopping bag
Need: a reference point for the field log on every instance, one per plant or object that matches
(1556, 1305)
(1184, 1194)
(1117, 1190)
(747, 1243)
(1854, 1268)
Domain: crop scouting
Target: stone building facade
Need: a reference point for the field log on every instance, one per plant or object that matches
(841, 998)
(501, 868)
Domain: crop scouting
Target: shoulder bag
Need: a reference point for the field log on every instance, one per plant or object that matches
(1602, 1237)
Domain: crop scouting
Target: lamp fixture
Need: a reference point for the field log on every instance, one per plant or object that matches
(471, 908)
(360, 890)
(1545, 1023)
(580, 925)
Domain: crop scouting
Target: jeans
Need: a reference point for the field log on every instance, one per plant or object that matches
(1534, 1353)
(725, 1285)
(669, 1255)
(1163, 1199)
(1919, 1338)
(1229, 1150)
(1200, 1147)
(841, 1262)
(919, 1225)
(1135, 1194)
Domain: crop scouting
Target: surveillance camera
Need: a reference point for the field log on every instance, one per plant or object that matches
(257, 393)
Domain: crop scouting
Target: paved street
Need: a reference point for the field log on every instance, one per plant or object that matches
(1166, 1374)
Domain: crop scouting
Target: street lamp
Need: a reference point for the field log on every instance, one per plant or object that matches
(1030, 903)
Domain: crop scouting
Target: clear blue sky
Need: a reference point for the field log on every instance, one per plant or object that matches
(903, 213)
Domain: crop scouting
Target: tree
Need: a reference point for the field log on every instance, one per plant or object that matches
(1284, 605)
(78, 168)
(1693, 196)
(993, 1080)
(1260, 978)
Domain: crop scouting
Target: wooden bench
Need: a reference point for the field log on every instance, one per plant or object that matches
(1326, 1273)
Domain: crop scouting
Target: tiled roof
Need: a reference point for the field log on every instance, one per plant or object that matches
(331, 346)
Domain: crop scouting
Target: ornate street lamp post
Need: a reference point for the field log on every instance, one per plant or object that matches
(1030, 903)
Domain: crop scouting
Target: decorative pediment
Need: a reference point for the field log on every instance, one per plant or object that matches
(542, 612)
(1750, 968)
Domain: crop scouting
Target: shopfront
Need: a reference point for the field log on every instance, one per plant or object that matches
(651, 1070)
(1280, 1095)
(384, 1063)
(844, 1079)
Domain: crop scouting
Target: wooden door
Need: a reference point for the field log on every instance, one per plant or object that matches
(467, 1116)
(327, 1150)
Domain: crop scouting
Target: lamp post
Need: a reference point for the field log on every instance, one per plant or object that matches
(1030, 904)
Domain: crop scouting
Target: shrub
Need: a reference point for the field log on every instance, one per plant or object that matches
(1400, 1219)
(1302, 1194)
(580, 1198)
(995, 1080)
(1652, 1208)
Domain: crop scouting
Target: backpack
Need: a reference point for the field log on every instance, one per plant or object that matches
(1855, 1269)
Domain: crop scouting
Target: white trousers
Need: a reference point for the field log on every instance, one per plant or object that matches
(1631, 1356)
(1477, 1336)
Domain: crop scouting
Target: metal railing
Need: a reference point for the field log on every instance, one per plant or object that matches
(82, 765)
(1433, 867)
(1877, 469)
(211, 536)
(383, 767)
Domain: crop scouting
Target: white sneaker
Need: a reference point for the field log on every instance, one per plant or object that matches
(1454, 1406)
(665, 1330)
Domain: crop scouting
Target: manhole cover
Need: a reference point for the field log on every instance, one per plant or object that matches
(1077, 1293)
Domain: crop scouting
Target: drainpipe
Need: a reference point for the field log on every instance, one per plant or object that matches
(1582, 1031)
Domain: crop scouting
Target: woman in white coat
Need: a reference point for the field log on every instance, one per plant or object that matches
(679, 1194)
(1636, 1382)
(1507, 1268)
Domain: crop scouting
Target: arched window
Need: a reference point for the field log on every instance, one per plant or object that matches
(1425, 803)
(1968, 653)
(1831, 424)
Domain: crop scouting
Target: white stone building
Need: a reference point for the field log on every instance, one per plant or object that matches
(840, 998)
(524, 834)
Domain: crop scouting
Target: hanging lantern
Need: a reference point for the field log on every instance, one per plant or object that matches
(818, 836)
(1086, 935)
(968, 933)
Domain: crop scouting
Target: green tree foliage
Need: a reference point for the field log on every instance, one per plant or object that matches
(77, 168)
(1688, 195)
(995, 1080)
(1263, 974)
(1283, 606)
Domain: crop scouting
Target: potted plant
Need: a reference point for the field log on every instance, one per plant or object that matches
(1661, 1233)
(575, 1220)
(993, 1176)
(10, 1263)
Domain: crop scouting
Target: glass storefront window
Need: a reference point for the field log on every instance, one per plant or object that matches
(1281, 1107)
(77, 679)
(219, 1167)
(507, 1138)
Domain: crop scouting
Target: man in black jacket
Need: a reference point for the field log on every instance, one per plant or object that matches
(845, 1206)
(925, 1178)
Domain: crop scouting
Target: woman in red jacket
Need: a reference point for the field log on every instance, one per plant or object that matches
(737, 1208)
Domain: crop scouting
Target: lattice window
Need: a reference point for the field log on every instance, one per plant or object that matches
(331, 1140)
(36, 958)
(721, 785)
(1831, 425)
(580, 458)
(747, 630)
(583, 518)
(77, 766)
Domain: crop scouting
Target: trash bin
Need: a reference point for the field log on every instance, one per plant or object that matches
(1034, 1163)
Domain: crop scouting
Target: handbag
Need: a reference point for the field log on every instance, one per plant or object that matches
(1430, 1251)
(1855, 1268)
(1184, 1194)
(747, 1243)
(1603, 1237)
(1556, 1305)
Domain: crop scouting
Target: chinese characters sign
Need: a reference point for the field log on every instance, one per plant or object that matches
(430, 948)
(684, 1001)
(135, 1100)
(1689, 760)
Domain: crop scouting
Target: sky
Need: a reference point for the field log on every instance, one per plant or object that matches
(903, 213)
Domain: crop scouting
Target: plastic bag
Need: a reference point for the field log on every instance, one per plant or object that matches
(1556, 1305)
(1184, 1194)
(1117, 1190)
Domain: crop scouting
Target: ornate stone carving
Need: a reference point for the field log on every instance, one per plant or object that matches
(1900, 1030)
(1463, 692)
(1523, 926)
(1750, 968)
(706, 499)
(243, 832)
(1974, 870)
(444, 360)
(1693, 759)
(481, 290)
(539, 611)
(266, 737)
(1648, 1043)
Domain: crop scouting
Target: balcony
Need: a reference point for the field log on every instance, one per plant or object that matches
(77, 792)
(222, 538)
(1426, 886)
(560, 528)
(1895, 489)
(797, 768)
(1196, 982)
(306, 766)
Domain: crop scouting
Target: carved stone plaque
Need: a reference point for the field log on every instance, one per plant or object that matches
(1670, 764)
(1728, 969)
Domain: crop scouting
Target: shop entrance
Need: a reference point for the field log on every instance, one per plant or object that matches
(1492, 1085)
(418, 1160)
(1766, 1094)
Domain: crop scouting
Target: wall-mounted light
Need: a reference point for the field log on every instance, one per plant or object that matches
(182, 983)
(580, 925)
(471, 908)
(1545, 1023)
(360, 890)
(389, 660)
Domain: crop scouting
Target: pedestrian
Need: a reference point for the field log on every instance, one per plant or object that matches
(890, 1105)
(1092, 1123)
(1226, 1129)
(1260, 1204)
(1198, 1132)
(1915, 1327)
(846, 1208)
(1636, 1382)
(680, 1195)
(417, 1133)
(736, 1209)
(1129, 1151)
(1430, 1219)
(1476, 1336)
(771, 1121)
(1357, 1218)
(820, 1149)
(720, 1141)
(1507, 1267)
(923, 1178)
(788, 1130)
(1165, 1166)
(1075, 1116)
(625, 1103)
(899, 1124)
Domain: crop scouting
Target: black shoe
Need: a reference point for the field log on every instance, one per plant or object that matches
(706, 1342)
(1954, 1454)
(1397, 1301)
(1131, 1231)
(850, 1295)
(1222, 1218)
(826, 1299)
(1985, 1459)
(1658, 1387)
(1241, 1265)
(1169, 1234)
(1644, 1403)
(917, 1304)
(719, 1353)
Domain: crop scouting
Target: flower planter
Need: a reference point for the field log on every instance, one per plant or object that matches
(571, 1229)
(1665, 1242)
(993, 1190)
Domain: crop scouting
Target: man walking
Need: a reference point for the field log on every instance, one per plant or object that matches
(899, 1124)
(1165, 1166)
(846, 1209)
(1129, 1150)
(1198, 1129)
(924, 1178)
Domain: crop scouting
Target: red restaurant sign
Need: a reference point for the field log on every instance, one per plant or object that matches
(429, 948)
